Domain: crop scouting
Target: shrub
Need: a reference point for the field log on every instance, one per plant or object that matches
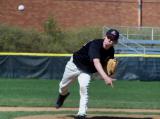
(52, 29)
(78, 37)
(52, 40)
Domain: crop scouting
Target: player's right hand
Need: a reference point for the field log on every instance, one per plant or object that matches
(108, 81)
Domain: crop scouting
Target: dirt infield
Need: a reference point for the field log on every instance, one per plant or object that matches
(74, 109)
(90, 116)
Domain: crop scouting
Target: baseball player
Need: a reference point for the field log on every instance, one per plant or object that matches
(84, 62)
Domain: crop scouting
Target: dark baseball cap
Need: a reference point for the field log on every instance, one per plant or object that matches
(113, 35)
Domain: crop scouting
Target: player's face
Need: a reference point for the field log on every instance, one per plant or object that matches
(108, 43)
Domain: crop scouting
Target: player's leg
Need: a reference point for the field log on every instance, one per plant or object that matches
(70, 74)
(84, 80)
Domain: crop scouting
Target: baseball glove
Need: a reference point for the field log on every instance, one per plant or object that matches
(110, 66)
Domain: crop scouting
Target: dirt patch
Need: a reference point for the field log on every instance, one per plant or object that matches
(11, 109)
(89, 117)
(45, 117)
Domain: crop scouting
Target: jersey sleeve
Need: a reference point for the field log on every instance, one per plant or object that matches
(94, 50)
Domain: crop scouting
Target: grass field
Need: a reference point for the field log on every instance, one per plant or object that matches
(43, 93)
(125, 94)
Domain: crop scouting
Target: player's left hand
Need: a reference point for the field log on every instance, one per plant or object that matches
(111, 67)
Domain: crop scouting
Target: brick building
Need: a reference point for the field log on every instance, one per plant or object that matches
(80, 13)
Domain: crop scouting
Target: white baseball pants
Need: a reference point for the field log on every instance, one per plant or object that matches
(71, 73)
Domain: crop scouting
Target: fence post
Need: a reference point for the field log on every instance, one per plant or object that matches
(152, 34)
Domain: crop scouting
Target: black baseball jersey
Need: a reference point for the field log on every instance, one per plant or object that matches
(83, 58)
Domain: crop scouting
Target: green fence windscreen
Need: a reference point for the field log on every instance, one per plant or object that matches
(32, 67)
(51, 67)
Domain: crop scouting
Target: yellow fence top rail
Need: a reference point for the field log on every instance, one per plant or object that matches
(62, 55)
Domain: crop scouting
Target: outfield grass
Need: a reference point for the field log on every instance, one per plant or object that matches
(125, 94)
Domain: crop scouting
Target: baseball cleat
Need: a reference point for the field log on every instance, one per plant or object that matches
(61, 99)
(80, 117)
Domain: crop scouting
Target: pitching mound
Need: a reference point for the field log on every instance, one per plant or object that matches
(90, 117)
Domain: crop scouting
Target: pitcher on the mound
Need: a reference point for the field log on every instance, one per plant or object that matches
(84, 62)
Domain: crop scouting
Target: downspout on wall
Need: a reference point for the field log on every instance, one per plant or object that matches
(139, 13)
